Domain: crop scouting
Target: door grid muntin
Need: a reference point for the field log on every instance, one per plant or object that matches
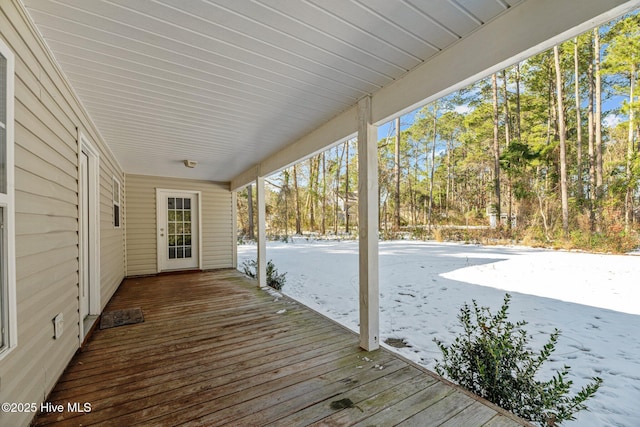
(179, 227)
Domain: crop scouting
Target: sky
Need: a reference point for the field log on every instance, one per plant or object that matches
(610, 120)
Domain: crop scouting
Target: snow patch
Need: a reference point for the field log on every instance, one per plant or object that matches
(593, 299)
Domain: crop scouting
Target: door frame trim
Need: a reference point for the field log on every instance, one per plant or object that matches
(94, 231)
(160, 267)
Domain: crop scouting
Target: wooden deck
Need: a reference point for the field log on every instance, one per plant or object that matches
(215, 350)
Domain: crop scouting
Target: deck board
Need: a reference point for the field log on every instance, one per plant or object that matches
(215, 350)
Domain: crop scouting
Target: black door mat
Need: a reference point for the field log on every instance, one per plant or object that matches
(112, 319)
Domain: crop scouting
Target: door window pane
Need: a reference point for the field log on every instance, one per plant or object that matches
(179, 227)
(116, 216)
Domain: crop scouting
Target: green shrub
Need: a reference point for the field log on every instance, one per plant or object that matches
(274, 279)
(492, 359)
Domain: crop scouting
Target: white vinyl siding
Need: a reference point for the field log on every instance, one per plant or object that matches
(217, 222)
(47, 121)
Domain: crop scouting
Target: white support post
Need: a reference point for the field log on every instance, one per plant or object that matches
(234, 228)
(368, 227)
(261, 269)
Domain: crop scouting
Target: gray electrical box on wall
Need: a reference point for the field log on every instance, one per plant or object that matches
(58, 326)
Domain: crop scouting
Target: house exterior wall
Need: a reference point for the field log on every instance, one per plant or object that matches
(48, 119)
(218, 233)
(112, 239)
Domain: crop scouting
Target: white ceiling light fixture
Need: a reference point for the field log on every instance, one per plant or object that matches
(190, 163)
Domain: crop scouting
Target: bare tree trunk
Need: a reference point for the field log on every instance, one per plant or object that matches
(433, 163)
(507, 117)
(448, 188)
(346, 190)
(551, 120)
(507, 140)
(564, 194)
(518, 115)
(397, 176)
(323, 225)
(598, 111)
(518, 118)
(541, 204)
(576, 70)
(308, 209)
(628, 202)
(297, 194)
(337, 192)
(592, 151)
(250, 209)
(412, 201)
(414, 192)
(314, 176)
(496, 147)
(386, 220)
(285, 190)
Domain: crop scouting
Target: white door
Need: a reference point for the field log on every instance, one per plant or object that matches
(84, 215)
(88, 232)
(178, 230)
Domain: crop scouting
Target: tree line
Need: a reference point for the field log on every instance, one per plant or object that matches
(547, 147)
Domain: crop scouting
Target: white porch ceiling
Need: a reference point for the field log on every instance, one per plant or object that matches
(230, 83)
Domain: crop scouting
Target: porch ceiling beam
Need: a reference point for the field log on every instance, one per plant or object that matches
(245, 178)
(529, 28)
(332, 132)
(525, 29)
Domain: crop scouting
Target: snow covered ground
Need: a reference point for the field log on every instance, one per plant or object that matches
(593, 299)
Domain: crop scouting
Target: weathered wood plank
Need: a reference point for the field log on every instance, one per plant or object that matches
(500, 420)
(441, 411)
(298, 396)
(323, 410)
(379, 402)
(199, 397)
(170, 372)
(229, 350)
(283, 350)
(409, 406)
(474, 415)
(124, 345)
(215, 350)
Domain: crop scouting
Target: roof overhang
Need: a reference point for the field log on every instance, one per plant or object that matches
(526, 30)
(249, 88)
